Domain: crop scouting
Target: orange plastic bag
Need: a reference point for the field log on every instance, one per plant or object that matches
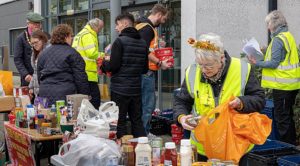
(255, 127)
(6, 79)
(223, 132)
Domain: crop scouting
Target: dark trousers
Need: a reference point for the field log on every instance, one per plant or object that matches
(132, 106)
(283, 115)
(95, 94)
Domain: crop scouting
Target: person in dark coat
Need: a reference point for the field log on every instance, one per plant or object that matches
(127, 63)
(212, 81)
(60, 68)
(23, 48)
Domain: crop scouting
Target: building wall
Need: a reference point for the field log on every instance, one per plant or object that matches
(12, 15)
(291, 11)
(234, 21)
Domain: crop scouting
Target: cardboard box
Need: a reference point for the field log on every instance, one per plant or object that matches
(104, 91)
(76, 99)
(7, 103)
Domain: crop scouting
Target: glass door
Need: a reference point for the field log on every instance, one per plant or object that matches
(77, 22)
(167, 80)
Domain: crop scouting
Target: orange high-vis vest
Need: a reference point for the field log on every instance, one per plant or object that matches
(153, 44)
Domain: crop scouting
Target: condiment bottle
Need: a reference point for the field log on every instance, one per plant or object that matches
(170, 154)
(128, 155)
(185, 152)
(156, 150)
(143, 152)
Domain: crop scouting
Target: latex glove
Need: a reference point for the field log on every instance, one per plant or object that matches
(165, 64)
(236, 104)
(251, 59)
(185, 124)
(28, 78)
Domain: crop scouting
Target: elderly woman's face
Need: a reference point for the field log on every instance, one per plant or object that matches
(210, 66)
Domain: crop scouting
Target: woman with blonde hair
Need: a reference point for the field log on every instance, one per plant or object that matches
(211, 81)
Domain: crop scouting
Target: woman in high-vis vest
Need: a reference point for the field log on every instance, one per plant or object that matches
(211, 81)
(281, 72)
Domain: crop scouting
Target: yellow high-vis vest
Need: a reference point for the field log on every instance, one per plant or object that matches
(86, 43)
(202, 92)
(287, 75)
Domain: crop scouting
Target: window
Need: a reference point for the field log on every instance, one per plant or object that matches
(13, 34)
(65, 5)
(81, 4)
(104, 37)
(52, 23)
(53, 7)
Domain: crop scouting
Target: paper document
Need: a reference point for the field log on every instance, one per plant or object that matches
(251, 48)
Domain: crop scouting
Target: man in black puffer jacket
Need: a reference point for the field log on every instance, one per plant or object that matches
(128, 61)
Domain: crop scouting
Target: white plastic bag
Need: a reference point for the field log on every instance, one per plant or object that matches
(109, 111)
(88, 150)
(90, 121)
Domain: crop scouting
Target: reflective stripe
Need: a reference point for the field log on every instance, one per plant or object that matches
(285, 41)
(192, 76)
(244, 73)
(79, 48)
(281, 80)
(289, 67)
(88, 59)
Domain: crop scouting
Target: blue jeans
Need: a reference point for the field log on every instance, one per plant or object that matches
(148, 98)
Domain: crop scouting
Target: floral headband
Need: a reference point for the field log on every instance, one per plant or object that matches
(205, 45)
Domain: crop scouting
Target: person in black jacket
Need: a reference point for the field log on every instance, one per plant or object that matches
(128, 61)
(60, 68)
(23, 48)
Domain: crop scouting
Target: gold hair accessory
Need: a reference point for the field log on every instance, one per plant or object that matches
(206, 45)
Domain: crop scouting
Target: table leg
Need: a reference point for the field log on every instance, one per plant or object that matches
(37, 152)
(6, 151)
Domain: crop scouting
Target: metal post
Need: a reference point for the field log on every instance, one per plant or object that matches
(115, 10)
(272, 6)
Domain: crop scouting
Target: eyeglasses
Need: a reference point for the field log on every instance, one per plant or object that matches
(209, 66)
(35, 42)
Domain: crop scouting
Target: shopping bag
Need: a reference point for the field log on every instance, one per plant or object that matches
(109, 111)
(255, 127)
(88, 150)
(214, 131)
(6, 79)
(91, 121)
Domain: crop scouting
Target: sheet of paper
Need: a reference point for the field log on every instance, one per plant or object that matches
(251, 48)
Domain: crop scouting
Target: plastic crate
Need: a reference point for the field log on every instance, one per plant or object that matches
(272, 144)
(269, 157)
(161, 124)
(293, 160)
(269, 111)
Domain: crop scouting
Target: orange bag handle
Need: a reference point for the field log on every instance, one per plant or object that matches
(214, 111)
